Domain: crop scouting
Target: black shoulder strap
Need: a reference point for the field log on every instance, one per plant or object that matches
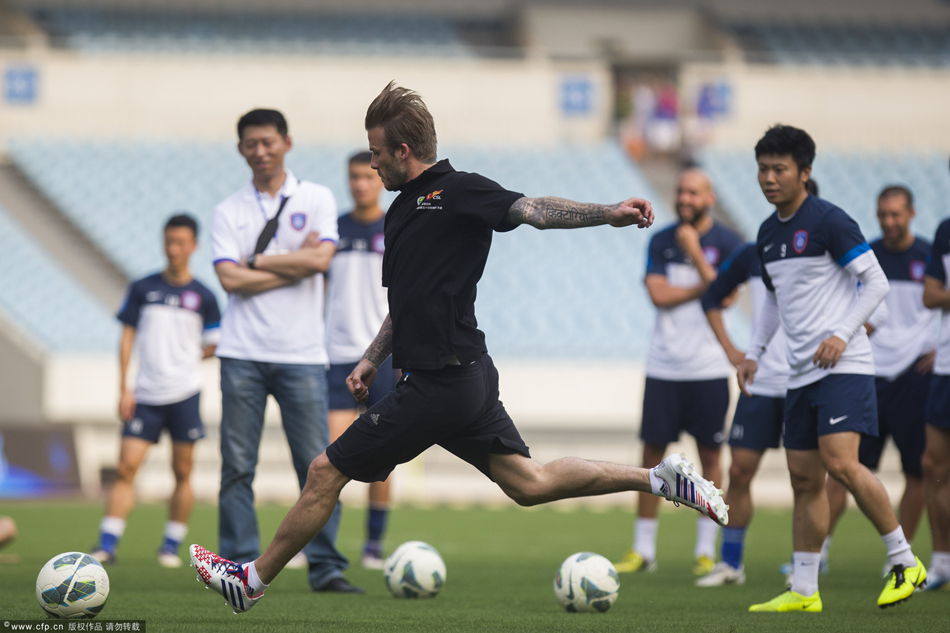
(267, 233)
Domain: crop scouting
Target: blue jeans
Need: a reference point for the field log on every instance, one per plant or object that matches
(301, 394)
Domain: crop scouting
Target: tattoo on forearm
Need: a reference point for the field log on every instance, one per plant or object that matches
(381, 347)
(557, 213)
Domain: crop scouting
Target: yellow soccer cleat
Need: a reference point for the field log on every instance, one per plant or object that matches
(789, 601)
(900, 583)
(703, 565)
(634, 562)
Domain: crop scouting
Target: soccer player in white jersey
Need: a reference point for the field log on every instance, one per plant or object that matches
(903, 346)
(687, 372)
(356, 307)
(171, 321)
(272, 335)
(757, 421)
(937, 453)
(812, 253)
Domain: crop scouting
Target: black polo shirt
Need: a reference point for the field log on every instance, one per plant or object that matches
(438, 234)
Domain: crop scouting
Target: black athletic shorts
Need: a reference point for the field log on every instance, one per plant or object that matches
(900, 413)
(696, 406)
(456, 407)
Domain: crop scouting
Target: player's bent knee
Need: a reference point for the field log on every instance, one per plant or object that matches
(322, 474)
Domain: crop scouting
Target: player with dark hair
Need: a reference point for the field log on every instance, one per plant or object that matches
(811, 253)
(902, 334)
(171, 321)
(757, 421)
(687, 373)
(936, 461)
(438, 234)
(356, 307)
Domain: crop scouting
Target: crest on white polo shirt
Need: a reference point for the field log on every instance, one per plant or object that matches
(298, 220)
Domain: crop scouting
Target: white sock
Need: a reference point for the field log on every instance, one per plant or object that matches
(706, 533)
(898, 549)
(656, 484)
(176, 531)
(112, 525)
(644, 542)
(940, 564)
(253, 580)
(825, 547)
(805, 572)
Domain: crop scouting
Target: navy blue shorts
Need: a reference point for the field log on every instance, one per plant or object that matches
(938, 402)
(696, 406)
(757, 422)
(836, 403)
(340, 396)
(456, 407)
(182, 419)
(901, 405)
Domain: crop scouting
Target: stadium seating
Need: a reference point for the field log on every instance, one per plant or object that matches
(112, 30)
(557, 294)
(849, 179)
(844, 44)
(45, 302)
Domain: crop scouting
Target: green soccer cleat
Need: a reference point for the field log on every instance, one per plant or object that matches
(901, 582)
(789, 601)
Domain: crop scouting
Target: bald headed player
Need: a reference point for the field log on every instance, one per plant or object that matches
(687, 370)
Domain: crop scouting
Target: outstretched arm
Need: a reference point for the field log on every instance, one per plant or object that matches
(550, 212)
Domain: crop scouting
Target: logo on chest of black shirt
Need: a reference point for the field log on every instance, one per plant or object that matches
(432, 201)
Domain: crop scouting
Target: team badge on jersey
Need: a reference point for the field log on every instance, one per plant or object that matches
(298, 220)
(917, 269)
(190, 300)
(712, 255)
(800, 241)
(379, 243)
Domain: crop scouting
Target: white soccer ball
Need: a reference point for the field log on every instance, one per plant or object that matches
(414, 570)
(586, 582)
(72, 585)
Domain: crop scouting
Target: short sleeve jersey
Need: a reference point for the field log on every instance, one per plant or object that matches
(745, 266)
(356, 304)
(683, 346)
(939, 269)
(283, 325)
(910, 329)
(810, 261)
(172, 326)
(438, 234)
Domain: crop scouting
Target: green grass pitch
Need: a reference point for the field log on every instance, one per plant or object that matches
(501, 564)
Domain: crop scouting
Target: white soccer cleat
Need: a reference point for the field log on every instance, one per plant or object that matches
(722, 574)
(682, 485)
(224, 576)
(169, 560)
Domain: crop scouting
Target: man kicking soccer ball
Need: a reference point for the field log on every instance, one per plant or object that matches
(437, 238)
(811, 253)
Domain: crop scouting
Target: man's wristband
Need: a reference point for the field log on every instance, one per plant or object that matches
(251, 260)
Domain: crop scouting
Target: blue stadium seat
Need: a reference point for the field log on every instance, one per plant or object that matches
(44, 302)
(550, 294)
(851, 180)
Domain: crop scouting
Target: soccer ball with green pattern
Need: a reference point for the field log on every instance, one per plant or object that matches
(414, 570)
(72, 585)
(586, 582)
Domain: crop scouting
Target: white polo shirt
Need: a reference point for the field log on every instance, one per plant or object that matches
(283, 325)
